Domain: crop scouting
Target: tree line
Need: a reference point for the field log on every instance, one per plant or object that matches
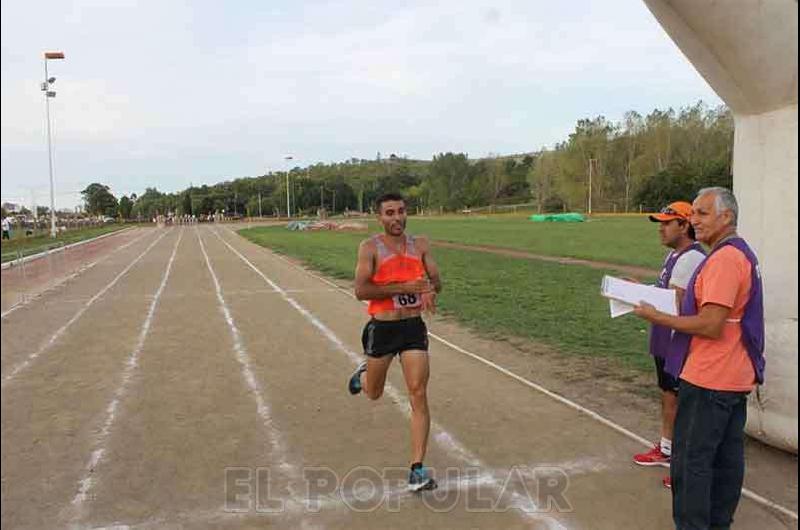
(639, 162)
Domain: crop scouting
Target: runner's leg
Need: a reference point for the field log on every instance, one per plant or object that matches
(416, 371)
(374, 378)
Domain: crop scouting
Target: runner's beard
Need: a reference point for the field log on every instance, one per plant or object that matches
(396, 229)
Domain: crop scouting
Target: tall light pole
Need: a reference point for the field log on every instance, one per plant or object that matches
(288, 207)
(591, 168)
(48, 81)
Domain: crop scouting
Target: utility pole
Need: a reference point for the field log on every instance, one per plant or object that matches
(333, 208)
(287, 158)
(259, 205)
(591, 167)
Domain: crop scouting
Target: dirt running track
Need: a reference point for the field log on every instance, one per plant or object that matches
(204, 388)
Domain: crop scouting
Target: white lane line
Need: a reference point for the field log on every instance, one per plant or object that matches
(86, 484)
(44, 347)
(75, 274)
(246, 365)
(449, 443)
(753, 496)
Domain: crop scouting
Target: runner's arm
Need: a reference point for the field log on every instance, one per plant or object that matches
(430, 265)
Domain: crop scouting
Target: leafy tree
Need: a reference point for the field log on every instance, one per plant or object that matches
(125, 207)
(186, 204)
(99, 200)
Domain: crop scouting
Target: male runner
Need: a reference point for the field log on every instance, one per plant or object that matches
(396, 273)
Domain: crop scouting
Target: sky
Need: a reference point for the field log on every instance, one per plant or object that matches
(169, 93)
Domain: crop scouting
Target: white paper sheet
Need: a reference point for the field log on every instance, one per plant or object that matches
(618, 308)
(633, 294)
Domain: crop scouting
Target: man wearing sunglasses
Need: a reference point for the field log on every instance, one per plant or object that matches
(677, 234)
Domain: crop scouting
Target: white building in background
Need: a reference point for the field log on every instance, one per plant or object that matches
(747, 51)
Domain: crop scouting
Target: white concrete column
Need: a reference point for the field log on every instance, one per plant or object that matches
(747, 51)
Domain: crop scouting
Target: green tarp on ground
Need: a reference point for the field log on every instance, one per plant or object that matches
(557, 218)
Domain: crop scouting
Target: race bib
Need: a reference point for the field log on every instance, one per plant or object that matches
(403, 301)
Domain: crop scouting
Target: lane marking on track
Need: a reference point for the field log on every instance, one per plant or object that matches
(86, 484)
(72, 276)
(347, 499)
(279, 451)
(753, 496)
(524, 504)
(44, 347)
(246, 366)
(229, 294)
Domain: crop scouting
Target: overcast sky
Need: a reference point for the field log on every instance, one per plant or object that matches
(168, 93)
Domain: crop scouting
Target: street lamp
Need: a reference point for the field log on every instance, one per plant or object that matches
(48, 81)
(288, 208)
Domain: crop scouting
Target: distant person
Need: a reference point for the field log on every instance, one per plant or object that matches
(397, 274)
(6, 228)
(717, 351)
(685, 255)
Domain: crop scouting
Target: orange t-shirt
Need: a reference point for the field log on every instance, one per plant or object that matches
(723, 363)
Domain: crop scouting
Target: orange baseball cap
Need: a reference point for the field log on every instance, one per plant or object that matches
(675, 210)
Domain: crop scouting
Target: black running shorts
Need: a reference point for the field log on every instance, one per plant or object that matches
(666, 381)
(389, 337)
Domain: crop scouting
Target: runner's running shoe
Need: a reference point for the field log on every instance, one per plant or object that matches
(354, 384)
(420, 480)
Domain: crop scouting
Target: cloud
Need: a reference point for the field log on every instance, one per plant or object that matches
(175, 91)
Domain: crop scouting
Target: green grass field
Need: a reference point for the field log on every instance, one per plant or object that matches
(623, 240)
(554, 304)
(26, 246)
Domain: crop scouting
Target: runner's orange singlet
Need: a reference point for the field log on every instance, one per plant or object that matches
(396, 268)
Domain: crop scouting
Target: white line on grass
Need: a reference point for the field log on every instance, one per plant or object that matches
(40, 255)
(525, 505)
(75, 274)
(755, 497)
(44, 347)
(87, 482)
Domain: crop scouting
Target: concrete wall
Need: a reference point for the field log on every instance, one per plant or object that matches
(747, 51)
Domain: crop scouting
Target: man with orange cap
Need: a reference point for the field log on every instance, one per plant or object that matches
(685, 255)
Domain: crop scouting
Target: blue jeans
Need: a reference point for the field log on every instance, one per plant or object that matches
(707, 465)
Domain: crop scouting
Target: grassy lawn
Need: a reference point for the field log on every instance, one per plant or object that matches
(623, 240)
(558, 305)
(626, 240)
(39, 243)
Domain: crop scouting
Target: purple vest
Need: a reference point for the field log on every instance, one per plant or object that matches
(661, 336)
(752, 320)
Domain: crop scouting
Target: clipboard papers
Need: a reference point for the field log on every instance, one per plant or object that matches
(624, 295)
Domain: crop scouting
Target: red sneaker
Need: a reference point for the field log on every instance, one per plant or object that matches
(667, 482)
(654, 457)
